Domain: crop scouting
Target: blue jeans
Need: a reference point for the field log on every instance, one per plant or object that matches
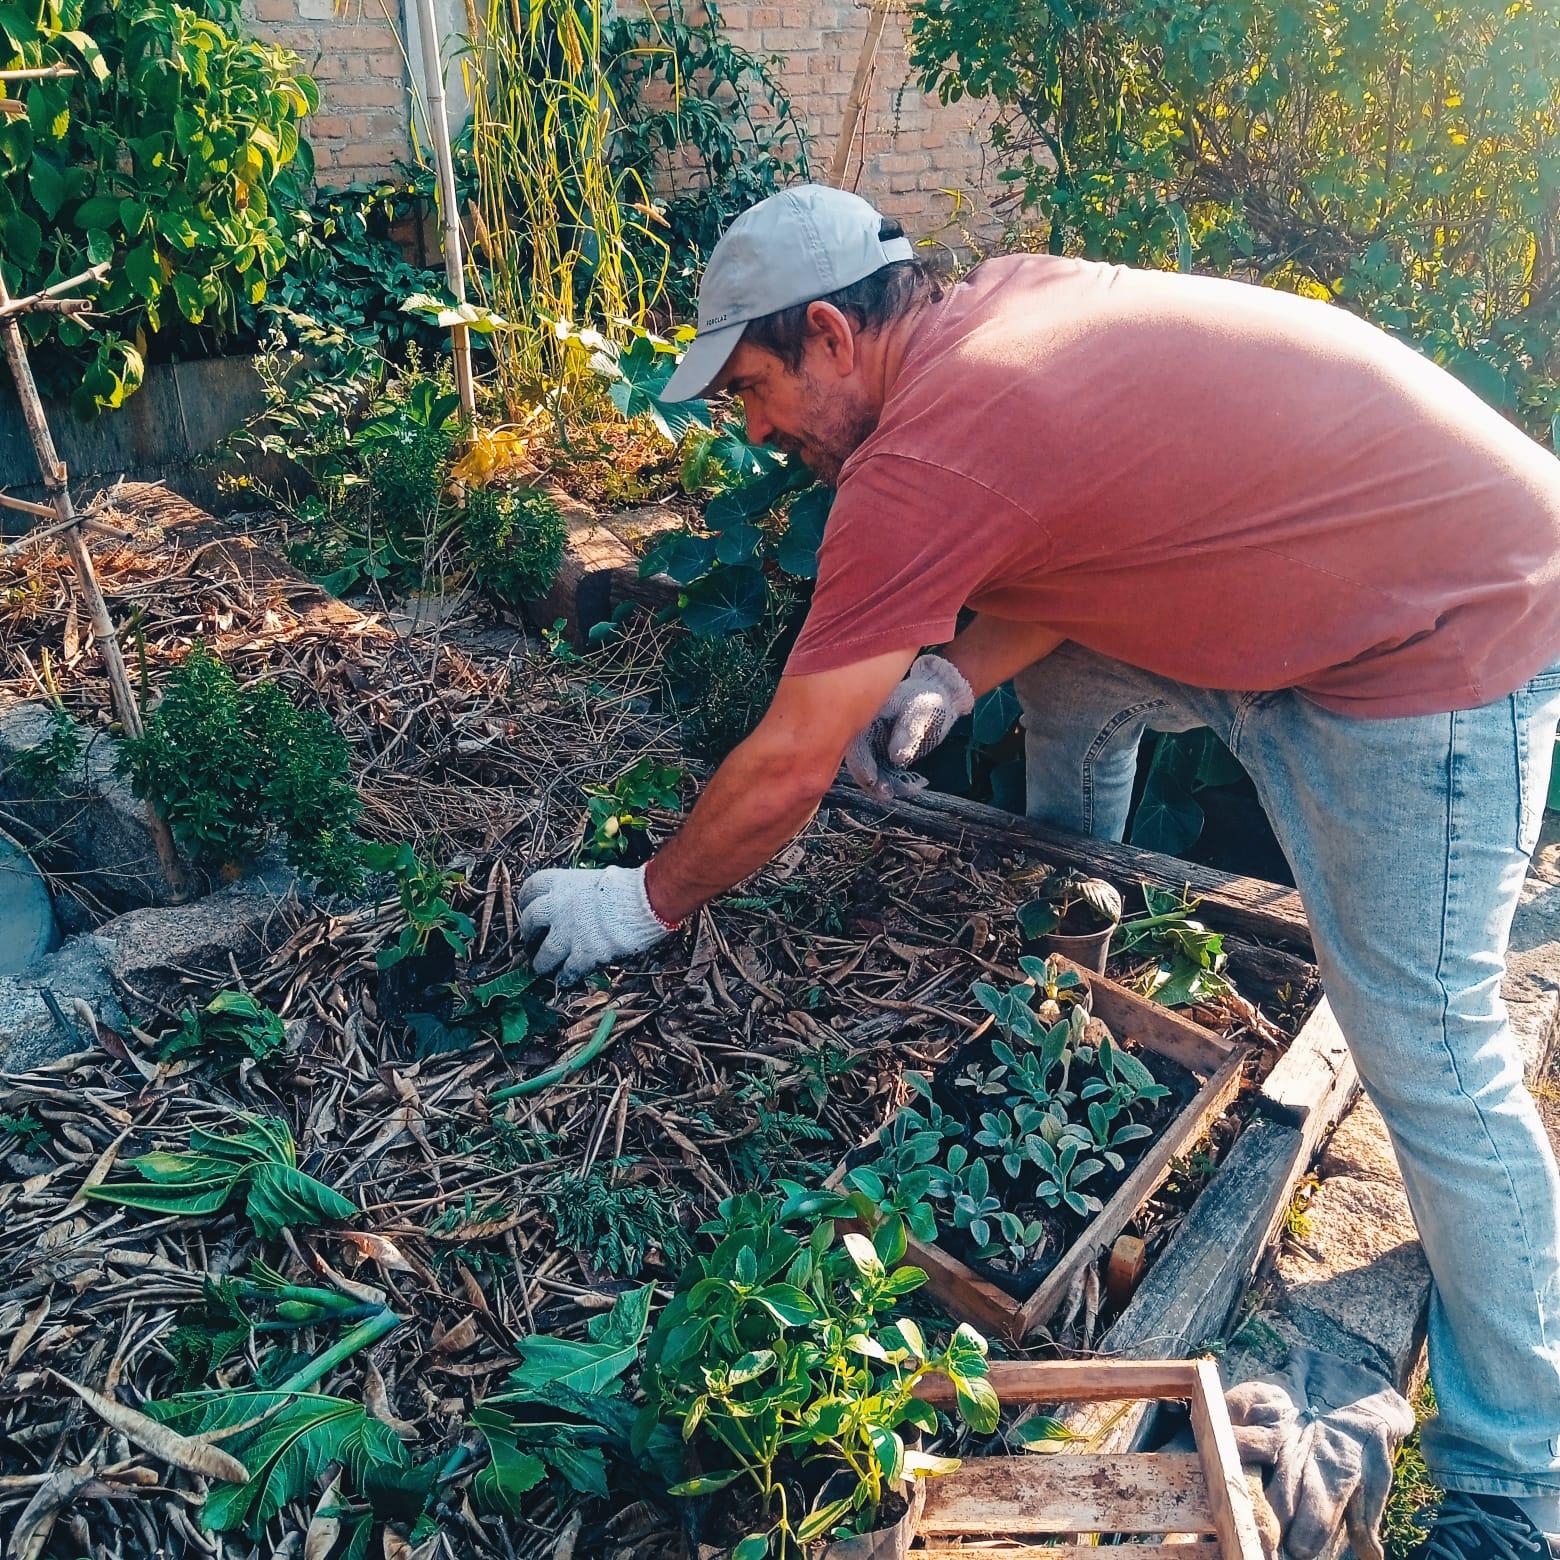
(1409, 839)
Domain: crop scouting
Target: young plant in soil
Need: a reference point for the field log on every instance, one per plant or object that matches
(1070, 904)
(617, 824)
(783, 1362)
(1022, 1133)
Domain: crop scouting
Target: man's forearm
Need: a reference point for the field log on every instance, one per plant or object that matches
(757, 800)
(992, 649)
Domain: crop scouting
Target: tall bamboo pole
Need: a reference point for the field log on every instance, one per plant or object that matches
(877, 20)
(449, 208)
(57, 485)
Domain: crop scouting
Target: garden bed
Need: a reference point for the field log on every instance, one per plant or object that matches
(1017, 1293)
(762, 1044)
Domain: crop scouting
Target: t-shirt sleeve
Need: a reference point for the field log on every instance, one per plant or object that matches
(906, 545)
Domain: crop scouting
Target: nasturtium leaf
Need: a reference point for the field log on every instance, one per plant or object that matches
(680, 555)
(738, 543)
(995, 715)
(725, 601)
(757, 497)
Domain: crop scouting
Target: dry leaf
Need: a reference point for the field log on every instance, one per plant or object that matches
(324, 1527)
(457, 1339)
(377, 1248)
(186, 1452)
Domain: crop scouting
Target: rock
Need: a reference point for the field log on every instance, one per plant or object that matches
(134, 963)
(96, 833)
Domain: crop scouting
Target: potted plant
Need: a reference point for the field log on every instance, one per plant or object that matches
(784, 1365)
(1073, 915)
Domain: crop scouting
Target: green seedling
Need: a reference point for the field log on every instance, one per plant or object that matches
(258, 1164)
(1063, 1173)
(618, 814)
(232, 1028)
(422, 889)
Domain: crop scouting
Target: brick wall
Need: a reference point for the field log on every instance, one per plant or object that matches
(909, 148)
(354, 53)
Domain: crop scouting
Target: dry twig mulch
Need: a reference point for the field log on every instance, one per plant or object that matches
(766, 1039)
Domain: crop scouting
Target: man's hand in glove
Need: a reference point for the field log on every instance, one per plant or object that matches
(917, 715)
(592, 915)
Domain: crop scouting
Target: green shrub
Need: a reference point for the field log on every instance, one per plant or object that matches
(514, 541)
(42, 769)
(1401, 158)
(173, 154)
(226, 766)
(719, 689)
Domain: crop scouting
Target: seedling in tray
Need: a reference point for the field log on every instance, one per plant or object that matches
(1037, 1141)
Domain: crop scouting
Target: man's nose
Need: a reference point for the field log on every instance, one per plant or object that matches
(759, 428)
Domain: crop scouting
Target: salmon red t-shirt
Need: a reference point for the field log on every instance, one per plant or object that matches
(1220, 483)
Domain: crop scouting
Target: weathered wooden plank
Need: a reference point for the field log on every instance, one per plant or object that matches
(1229, 1496)
(1315, 1080)
(1020, 1382)
(1243, 904)
(600, 567)
(1128, 1492)
(1191, 1289)
(1198, 1549)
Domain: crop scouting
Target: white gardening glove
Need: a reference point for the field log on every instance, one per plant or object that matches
(918, 714)
(592, 916)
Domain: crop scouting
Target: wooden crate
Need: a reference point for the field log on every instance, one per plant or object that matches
(1028, 1497)
(1215, 1064)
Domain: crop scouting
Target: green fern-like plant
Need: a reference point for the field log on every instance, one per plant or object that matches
(226, 766)
(514, 541)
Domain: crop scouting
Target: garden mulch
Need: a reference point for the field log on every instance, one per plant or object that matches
(765, 1040)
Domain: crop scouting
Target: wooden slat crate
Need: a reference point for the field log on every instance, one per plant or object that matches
(1214, 1063)
(1010, 1502)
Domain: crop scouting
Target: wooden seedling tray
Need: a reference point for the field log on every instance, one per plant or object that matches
(1215, 1063)
(1030, 1497)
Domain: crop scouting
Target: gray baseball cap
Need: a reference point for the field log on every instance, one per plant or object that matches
(801, 244)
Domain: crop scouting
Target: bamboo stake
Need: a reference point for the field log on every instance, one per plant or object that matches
(56, 483)
(877, 20)
(449, 207)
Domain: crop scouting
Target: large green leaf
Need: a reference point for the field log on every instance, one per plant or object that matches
(756, 498)
(279, 1197)
(591, 1365)
(725, 601)
(797, 550)
(679, 554)
(291, 1439)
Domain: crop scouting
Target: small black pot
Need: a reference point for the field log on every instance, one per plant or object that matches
(1090, 949)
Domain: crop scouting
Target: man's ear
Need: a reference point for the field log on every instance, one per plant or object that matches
(833, 334)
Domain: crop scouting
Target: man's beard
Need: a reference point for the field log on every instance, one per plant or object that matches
(838, 431)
